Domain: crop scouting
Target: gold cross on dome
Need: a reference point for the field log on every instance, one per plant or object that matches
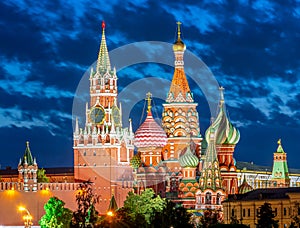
(148, 99)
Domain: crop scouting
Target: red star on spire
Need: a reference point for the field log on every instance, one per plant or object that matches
(103, 25)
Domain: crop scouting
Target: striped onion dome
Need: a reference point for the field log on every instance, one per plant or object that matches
(188, 159)
(245, 187)
(226, 133)
(150, 134)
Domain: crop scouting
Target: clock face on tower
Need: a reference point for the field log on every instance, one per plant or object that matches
(97, 115)
(116, 115)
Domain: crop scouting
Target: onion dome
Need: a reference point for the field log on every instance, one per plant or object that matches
(188, 159)
(150, 134)
(226, 133)
(178, 45)
(244, 187)
(135, 161)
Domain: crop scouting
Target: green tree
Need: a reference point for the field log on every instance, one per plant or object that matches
(172, 216)
(265, 217)
(121, 219)
(41, 176)
(86, 214)
(56, 214)
(141, 208)
(295, 216)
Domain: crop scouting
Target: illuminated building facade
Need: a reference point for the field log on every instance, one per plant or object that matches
(103, 149)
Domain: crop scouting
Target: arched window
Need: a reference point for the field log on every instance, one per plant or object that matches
(208, 198)
(218, 199)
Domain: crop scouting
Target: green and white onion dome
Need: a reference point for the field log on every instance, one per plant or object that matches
(244, 187)
(188, 159)
(225, 132)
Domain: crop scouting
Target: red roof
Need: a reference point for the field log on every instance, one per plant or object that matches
(150, 134)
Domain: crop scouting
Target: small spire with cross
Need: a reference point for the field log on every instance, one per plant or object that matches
(279, 142)
(178, 30)
(148, 99)
(221, 89)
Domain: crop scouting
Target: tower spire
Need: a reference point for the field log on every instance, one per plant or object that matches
(221, 89)
(179, 90)
(178, 30)
(103, 62)
(148, 99)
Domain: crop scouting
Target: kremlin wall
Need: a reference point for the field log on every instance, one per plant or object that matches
(172, 158)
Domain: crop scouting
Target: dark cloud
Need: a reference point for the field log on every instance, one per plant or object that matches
(252, 48)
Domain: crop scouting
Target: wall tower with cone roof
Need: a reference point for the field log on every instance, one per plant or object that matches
(280, 172)
(27, 169)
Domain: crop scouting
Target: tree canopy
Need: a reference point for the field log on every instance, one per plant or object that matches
(265, 217)
(56, 214)
(172, 216)
(41, 176)
(86, 214)
(144, 206)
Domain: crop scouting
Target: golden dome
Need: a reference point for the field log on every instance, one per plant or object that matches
(179, 45)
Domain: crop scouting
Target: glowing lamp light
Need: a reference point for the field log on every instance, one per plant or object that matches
(22, 208)
(110, 213)
(27, 217)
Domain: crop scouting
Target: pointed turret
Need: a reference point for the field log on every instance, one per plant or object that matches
(27, 169)
(280, 173)
(179, 90)
(211, 192)
(112, 205)
(27, 157)
(211, 177)
(103, 62)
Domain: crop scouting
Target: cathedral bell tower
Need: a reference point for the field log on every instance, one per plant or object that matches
(179, 118)
(103, 148)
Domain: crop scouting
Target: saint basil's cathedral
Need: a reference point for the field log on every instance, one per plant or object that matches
(168, 157)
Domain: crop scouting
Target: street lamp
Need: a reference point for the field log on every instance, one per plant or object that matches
(27, 218)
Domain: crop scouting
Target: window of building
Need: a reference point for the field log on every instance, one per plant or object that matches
(244, 212)
(94, 153)
(84, 153)
(208, 198)
(248, 212)
(275, 211)
(232, 212)
(284, 211)
(218, 199)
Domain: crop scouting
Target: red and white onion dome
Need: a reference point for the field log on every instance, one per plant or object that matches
(150, 134)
